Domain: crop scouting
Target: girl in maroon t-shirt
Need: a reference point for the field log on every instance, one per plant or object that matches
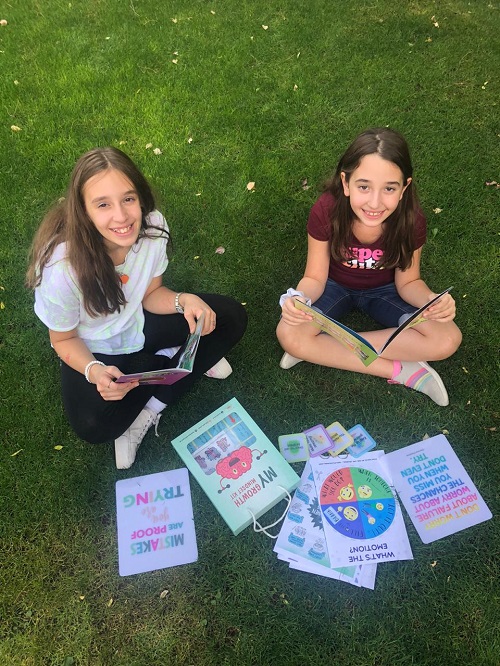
(365, 239)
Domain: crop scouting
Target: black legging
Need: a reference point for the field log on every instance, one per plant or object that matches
(96, 420)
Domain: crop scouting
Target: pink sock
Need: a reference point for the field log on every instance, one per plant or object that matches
(396, 368)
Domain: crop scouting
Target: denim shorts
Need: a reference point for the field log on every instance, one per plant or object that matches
(383, 304)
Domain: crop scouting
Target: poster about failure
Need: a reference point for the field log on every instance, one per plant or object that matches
(435, 489)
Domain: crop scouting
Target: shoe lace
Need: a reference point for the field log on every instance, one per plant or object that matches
(156, 421)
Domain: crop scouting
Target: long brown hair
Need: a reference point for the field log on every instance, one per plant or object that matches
(68, 222)
(398, 234)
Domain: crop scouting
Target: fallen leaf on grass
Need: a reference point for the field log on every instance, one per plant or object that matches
(175, 61)
(110, 603)
(465, 370)
(16, 83)
(163, 594)
(58, 447)
(265, 27)
(15, 454)
(220, 250)
(174, 20)
(197, 257)
(304, 184)
(148, 146)
(437, 210)
(212, 12)
(434, 22)
(15, 128)
(81, 597)
(295, 87)
(428, 40)
(250, 186)
(157, 151)
(433, 564)
(426, 436)
(243, 302)
(2, 305)
(190, 140)
(3, 22)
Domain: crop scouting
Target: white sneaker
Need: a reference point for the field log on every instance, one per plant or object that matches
(288, 361)
(419, 376)
(126, 445)
(220, 370)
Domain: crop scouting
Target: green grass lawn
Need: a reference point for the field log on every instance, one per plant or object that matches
(233, 91)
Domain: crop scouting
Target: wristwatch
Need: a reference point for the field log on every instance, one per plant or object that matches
(177, 305)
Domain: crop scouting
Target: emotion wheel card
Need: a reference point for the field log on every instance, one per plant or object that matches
(155, 522)
(361, 515)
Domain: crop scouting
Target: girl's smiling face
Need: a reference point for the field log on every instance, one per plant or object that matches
(375, 189)
(113, 205)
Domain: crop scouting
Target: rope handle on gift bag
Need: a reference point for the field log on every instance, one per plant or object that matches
(257, 527)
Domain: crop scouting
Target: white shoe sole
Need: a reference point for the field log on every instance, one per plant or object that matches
(288, 361)
(221, 370)
(445, 400)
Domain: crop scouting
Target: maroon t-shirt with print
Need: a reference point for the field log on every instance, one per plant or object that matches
(363, 271)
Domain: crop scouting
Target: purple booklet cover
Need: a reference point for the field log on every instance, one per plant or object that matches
(171, 375)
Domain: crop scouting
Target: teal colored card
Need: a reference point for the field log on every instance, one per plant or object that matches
(363, 442)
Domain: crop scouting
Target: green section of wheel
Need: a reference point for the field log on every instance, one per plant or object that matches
(365, 480)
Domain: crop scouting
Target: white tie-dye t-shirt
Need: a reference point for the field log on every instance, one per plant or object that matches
(59, 301)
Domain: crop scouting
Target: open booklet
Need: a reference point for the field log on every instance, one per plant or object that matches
(171, 375)
(356, 342)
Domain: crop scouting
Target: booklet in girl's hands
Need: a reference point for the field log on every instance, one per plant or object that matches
(356, 342)
(171, 375)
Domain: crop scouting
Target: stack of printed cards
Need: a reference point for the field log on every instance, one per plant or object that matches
(345, 517)
(302, 542)
(332, 441)
(315, 441)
